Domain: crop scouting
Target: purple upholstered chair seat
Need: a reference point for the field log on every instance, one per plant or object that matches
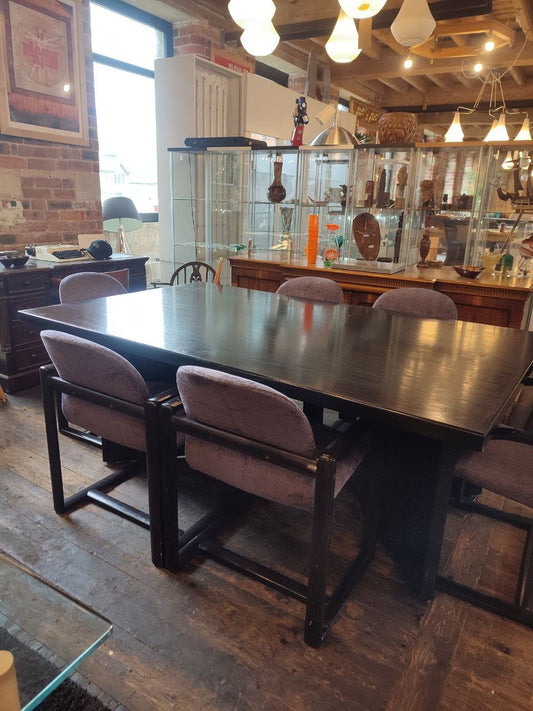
(88, 285)
(425, 303)
(312, 289)
(505, 467)
(255, 411)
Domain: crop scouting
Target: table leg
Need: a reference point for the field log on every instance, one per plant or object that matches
(418, 477)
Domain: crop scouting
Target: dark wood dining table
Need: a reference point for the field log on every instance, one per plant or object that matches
(432, 388)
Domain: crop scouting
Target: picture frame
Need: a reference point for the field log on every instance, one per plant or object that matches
(43, 91)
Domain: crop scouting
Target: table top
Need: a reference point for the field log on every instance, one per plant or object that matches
(437, 378)
(35, 615)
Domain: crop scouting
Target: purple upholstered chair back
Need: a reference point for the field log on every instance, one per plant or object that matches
(312, 288)
(88, 285)
(88, 364)
(417, 302)
(255, 411)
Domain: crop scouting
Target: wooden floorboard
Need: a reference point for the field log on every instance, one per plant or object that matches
(208, 638)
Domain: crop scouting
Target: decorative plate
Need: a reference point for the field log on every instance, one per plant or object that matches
(367, 235)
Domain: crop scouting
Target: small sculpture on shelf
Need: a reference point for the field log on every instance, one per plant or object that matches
(425, 244)
(300, 119)
(401, 182)
(285, 241)
(276, 192)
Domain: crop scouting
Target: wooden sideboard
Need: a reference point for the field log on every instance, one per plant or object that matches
(36, 284)
(500, 301)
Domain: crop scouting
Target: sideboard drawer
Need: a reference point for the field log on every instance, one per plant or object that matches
(31, 281)
(26, 302)
(24, 334)
(31, 357)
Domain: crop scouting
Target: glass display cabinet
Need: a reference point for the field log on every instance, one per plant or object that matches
(380, 208)
(228, 200)
(504, 235)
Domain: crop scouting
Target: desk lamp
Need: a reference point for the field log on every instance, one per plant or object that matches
(120, 215)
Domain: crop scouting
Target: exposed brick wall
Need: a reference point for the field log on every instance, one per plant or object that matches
(50, 192)
(196, 38)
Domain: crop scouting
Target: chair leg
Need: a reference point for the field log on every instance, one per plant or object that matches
(320, 539)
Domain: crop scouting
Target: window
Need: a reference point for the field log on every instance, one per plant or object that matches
(125, 43)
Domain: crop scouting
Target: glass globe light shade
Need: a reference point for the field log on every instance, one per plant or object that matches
(343, 45)
(498, 131)
(455, 133)
(260, 38)
(508, 163)
(413, 24)
(361, 9)
(246, 11)
(524, 134)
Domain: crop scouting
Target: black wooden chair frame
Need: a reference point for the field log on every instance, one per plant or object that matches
(180, 547)
(521, 608)
(196, 276)
(52, 388)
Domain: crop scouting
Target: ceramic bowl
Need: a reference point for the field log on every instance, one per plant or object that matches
(470, 272)
(13, 261)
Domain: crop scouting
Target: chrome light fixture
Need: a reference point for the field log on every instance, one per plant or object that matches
(413, 24)
(343, 45)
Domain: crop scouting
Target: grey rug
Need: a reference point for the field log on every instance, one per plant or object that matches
(31, 667)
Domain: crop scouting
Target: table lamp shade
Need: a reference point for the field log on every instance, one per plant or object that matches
(117, 211)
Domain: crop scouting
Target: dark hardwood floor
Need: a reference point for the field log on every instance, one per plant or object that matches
(210, 639)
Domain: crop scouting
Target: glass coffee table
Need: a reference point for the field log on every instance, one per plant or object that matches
(48, 633)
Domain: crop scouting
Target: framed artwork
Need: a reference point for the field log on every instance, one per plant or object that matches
(42, 71)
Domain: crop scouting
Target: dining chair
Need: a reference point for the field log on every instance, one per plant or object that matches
(312, 288)
(257, 441)
(189, 273)
(505, 467)
(73, 289)
(89, 285)
(99, 390)
(425, 303)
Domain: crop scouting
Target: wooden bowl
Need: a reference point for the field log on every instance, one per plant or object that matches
(469, 272)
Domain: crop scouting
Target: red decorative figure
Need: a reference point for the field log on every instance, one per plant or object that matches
(300, 120)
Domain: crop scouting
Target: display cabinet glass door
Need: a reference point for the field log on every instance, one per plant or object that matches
(273, 195)
(378, 202)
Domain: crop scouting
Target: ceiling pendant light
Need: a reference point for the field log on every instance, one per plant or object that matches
(413, 24)
(509, 162)
(245, 11)
(524, 134)
(455, 133)
(498, 132)
(343, 45)
(360, 9)
(260, 38)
